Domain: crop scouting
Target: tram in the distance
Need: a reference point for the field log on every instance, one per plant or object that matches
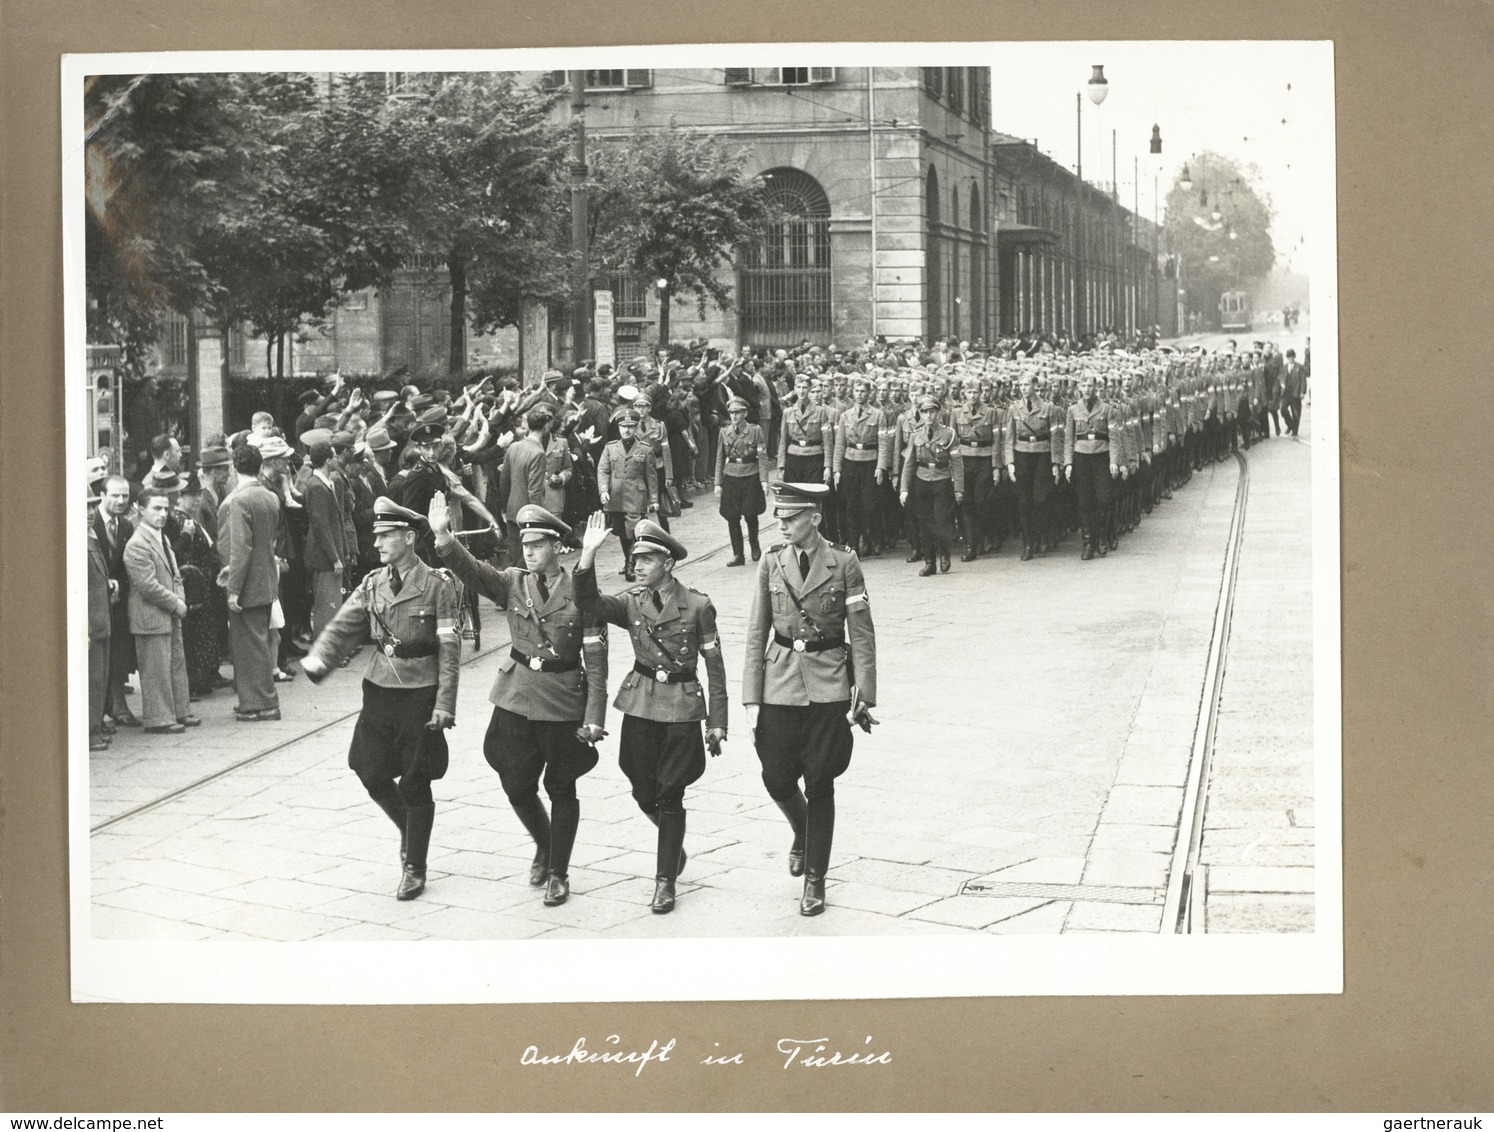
(1234, 310)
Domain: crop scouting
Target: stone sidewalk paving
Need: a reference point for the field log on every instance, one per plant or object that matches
(1026, 777)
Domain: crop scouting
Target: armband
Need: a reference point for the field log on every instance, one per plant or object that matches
(861, 597)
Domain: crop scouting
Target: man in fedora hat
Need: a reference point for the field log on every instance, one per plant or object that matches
(399, 748)
(810, 672)
(673, 629)
(549, 698)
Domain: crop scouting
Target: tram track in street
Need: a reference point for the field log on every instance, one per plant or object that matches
(1187, 877)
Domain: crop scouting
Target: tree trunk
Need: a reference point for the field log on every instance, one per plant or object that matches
(456, 360)
(280, 355)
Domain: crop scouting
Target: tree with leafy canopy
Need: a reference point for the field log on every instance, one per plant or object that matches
(675, 207)
(479, 167)
(1213, 262)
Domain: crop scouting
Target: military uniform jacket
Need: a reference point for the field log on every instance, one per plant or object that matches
(1088, 430)
(933, 454)
(553, 630)
(671, 641)
(1038, 429)
(831, 603)
(421, 616)
(739, 448)
(806, 428)
(979, 431)
(629, 477)
(861, 436)
(653, 433)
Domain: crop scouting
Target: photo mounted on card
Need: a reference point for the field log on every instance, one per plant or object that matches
(813, 531)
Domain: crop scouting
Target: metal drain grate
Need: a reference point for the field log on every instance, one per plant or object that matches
(1033, 890)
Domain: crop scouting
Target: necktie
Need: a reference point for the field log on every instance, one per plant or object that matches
(658, 602)
(113, 533)
(543, 589)
(804, 564)
(395, 581)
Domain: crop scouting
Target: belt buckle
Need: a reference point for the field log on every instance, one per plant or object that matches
(536, 663)
(798, 645)
(661, 676)
(1091, 436)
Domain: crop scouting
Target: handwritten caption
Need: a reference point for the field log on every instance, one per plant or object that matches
(791, 1053)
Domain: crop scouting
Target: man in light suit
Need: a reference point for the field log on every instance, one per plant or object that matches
(157, 606)
(521, 481)
(811, 671)
(247, 524)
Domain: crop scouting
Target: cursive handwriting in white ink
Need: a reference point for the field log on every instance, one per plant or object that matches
(794, 1049)
(580, 1055)
(721, 1059)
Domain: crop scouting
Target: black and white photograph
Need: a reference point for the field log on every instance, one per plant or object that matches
(584, 526)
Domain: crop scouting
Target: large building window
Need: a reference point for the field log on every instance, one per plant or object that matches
(629, 296)
(174, 341)
(602, 80)
(778, 76)
(954, 81)
(933, 81)
(785, 279)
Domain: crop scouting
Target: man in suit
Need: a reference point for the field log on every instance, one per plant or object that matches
(673, 629)
(549, 699)
(521, 481)
(157, 607)
(811, 670)
(248, 521)
(1293, 388)
(113, 531)
(628, 484)
(101, 589)
(326, 555)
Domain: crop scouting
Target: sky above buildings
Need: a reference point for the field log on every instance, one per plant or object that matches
(1264, 103)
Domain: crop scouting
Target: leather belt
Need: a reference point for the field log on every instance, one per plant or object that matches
(742, 466)
(403, 650)
(539, 664)
(862, 447)
(663, 676)
(809, 646)
(1098, 436)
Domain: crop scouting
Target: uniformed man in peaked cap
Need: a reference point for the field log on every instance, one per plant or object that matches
(673, 629)
(549, 699)
(408, 610)
(811, 671)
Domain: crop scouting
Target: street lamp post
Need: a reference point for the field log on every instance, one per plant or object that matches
(1099, 88)
(663, 288)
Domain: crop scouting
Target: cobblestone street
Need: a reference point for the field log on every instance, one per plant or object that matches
(1027, 776)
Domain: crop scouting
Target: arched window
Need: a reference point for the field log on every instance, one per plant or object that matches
(785, 279)
(933, 261)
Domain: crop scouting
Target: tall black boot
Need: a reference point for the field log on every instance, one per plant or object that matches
(970, 533)
(734, 529)
(796, 810)
(418, 823)
(388, 799)
(565, 817)
(757, 551)
(819, 834)
(532, 813)
(627, 549)
(653, 816)
(667, 862)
